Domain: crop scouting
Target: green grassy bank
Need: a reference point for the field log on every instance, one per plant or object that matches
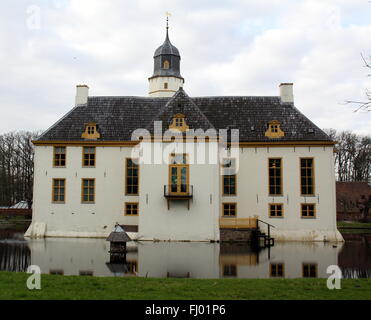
(13, 286)
(354, 227)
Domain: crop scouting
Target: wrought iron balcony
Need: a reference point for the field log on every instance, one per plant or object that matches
(178, 192)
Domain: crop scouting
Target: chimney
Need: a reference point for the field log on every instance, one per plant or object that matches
(82, 93)
(286, 92)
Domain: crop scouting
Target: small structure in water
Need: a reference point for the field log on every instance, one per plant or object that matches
(118, 239)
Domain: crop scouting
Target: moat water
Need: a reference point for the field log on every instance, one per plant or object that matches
(185, 259)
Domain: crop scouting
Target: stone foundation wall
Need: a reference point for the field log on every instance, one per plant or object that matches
(235, 235)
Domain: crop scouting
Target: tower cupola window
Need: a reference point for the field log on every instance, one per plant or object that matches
(166, 64)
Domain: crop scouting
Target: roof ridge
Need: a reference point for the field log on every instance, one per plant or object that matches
(208, 97)
(193, 97)
(173, 98)
(141, 97)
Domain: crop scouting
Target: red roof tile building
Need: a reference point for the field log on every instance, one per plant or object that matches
(352, 198)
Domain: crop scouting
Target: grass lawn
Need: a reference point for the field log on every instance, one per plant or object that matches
(353, 225)
(13, 286)
(14, 223)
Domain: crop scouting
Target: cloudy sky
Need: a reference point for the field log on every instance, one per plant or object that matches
(229, 47)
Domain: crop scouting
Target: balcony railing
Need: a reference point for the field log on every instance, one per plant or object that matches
(238, 223)
(183, 191)
(178, 192)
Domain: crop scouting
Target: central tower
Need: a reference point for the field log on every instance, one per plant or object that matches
(166, 78)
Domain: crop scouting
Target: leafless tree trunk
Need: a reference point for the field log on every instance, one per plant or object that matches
(363, 105)
(16, 167)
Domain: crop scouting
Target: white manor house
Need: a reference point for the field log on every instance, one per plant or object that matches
(174, 167)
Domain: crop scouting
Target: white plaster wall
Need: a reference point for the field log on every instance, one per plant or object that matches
(156, 86)
(87, 220)
(253, 199)
(200, 223)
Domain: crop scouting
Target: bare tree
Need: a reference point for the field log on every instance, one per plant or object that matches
(352, 157)
(363, 105)
(16, 167)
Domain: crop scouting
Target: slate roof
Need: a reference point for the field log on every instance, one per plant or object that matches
(166, 52)
(118, 235)
(167, 48)
(117, 117)
(181, 103)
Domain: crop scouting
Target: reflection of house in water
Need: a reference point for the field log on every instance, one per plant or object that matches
(277, 270)
(233, 255)
(178, 259)
(178, 275)
(14, 256)
(183, 259)
(355, 256)
(310, 270)
(124, 265)
(284, 260)
(70, 256)
(14, 251)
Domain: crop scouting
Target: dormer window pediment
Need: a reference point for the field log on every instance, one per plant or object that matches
(91, 131)
(179, 123)
(274, 130)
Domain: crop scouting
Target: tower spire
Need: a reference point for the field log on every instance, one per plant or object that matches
(166, 78)
(168, 14)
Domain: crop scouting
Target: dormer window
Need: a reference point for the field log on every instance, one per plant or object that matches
(166, 64)
(91, 131)
(274, 130)
(179, 123)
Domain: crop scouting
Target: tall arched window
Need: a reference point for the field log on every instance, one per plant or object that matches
(166, 64)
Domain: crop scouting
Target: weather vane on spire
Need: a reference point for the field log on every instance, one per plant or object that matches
(168, 14)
